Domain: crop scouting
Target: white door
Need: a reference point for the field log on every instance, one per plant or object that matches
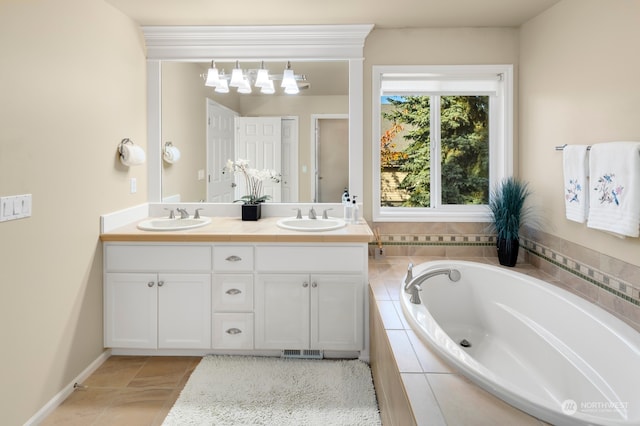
(337, 314)
(131, 311)
(282, 311)
(289, 159)
(184, 311)
(220, 148)
(258, 140)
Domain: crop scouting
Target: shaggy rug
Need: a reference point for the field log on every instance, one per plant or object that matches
(237, 390)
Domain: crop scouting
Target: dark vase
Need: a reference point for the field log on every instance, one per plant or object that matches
(251, 211)
(508, 251)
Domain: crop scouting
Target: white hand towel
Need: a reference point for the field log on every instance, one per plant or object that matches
(575, 170)
(132, 155)
(614, 170)
(171, 154)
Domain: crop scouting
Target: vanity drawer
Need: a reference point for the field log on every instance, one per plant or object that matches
(233, 258)
(232, 331)
(157, 258)
(308, 259)
(232, 292)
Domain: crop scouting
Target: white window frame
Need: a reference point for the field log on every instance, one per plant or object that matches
(500, 135)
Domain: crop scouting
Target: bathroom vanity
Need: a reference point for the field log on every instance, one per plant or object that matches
(235, 287)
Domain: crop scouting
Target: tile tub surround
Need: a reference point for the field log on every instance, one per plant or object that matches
(612, 284)
(608, 282)
(413, 385)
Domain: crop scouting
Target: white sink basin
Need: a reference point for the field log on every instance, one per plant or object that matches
(310, 225)
(164, 224)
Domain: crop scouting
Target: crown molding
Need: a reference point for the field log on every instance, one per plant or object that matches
(204, 43)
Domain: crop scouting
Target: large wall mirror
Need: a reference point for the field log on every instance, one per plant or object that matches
(184, 113)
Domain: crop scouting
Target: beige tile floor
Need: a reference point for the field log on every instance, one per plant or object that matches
(126, 390)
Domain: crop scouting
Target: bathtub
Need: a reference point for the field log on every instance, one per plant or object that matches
(541, 349)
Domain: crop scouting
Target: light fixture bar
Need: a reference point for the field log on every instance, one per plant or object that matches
(260, 78)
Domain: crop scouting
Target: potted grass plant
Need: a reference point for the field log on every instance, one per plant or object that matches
(507, 204)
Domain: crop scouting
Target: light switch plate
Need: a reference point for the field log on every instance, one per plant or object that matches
(6, 208)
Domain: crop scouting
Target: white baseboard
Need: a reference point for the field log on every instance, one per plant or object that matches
(67, 390)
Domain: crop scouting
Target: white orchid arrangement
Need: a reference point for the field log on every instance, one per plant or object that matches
(253, 180)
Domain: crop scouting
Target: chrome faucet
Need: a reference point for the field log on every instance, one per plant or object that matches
(183, 213)
(197, 213)
(312, 213)
(324, 214)
(171, 214)
(412, 285)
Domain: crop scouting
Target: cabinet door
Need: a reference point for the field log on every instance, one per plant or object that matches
(184, 311)
(282, 311)
(337, 317)
(130, 310)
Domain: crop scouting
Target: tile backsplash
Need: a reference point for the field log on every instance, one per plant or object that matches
(605, 281)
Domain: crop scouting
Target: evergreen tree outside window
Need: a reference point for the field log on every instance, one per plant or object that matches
(443, 137)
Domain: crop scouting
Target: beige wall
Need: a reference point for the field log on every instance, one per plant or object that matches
(432, 46)
(72, 86)
(578, 85)
(184, 122)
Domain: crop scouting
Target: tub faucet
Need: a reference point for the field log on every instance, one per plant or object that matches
(412, 285)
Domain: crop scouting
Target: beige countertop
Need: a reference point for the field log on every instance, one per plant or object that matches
(233, 229)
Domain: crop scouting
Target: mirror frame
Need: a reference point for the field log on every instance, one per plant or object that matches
(254, 43)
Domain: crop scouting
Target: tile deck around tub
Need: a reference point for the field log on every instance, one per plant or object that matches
(438, 395)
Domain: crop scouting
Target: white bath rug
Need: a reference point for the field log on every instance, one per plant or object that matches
(236, 390)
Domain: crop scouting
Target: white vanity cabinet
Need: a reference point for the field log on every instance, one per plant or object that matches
(233, 320)
(310, 297)
(166, 297)
(157, 296)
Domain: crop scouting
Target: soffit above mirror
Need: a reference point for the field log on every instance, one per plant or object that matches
(299, 42)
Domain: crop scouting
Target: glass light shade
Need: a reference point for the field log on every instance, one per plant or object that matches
(292, 90)
(213, 78)
(288, 79)
(244, 86)
(236, 77)
(262, 79)
(222, 87)
(268, 89)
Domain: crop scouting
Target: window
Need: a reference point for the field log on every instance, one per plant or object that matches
(442, 138)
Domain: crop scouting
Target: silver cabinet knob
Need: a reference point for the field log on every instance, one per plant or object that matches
(150, 284)
(305, 284)
(160, 283)
(233, 291)
(233, 258)
(233, 331)
(314, 284)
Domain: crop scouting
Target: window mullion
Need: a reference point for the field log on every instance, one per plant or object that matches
(436, 192)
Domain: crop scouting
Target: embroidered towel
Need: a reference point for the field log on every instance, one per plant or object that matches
(614, 170)
(575, 170)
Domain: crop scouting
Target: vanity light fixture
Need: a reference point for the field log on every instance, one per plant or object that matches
(261, 79)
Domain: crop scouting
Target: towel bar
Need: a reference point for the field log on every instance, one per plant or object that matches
(561, 147)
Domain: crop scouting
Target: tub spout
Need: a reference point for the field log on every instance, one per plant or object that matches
(409, 275)
(412, 285)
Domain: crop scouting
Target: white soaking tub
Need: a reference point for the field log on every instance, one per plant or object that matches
(542, 349)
